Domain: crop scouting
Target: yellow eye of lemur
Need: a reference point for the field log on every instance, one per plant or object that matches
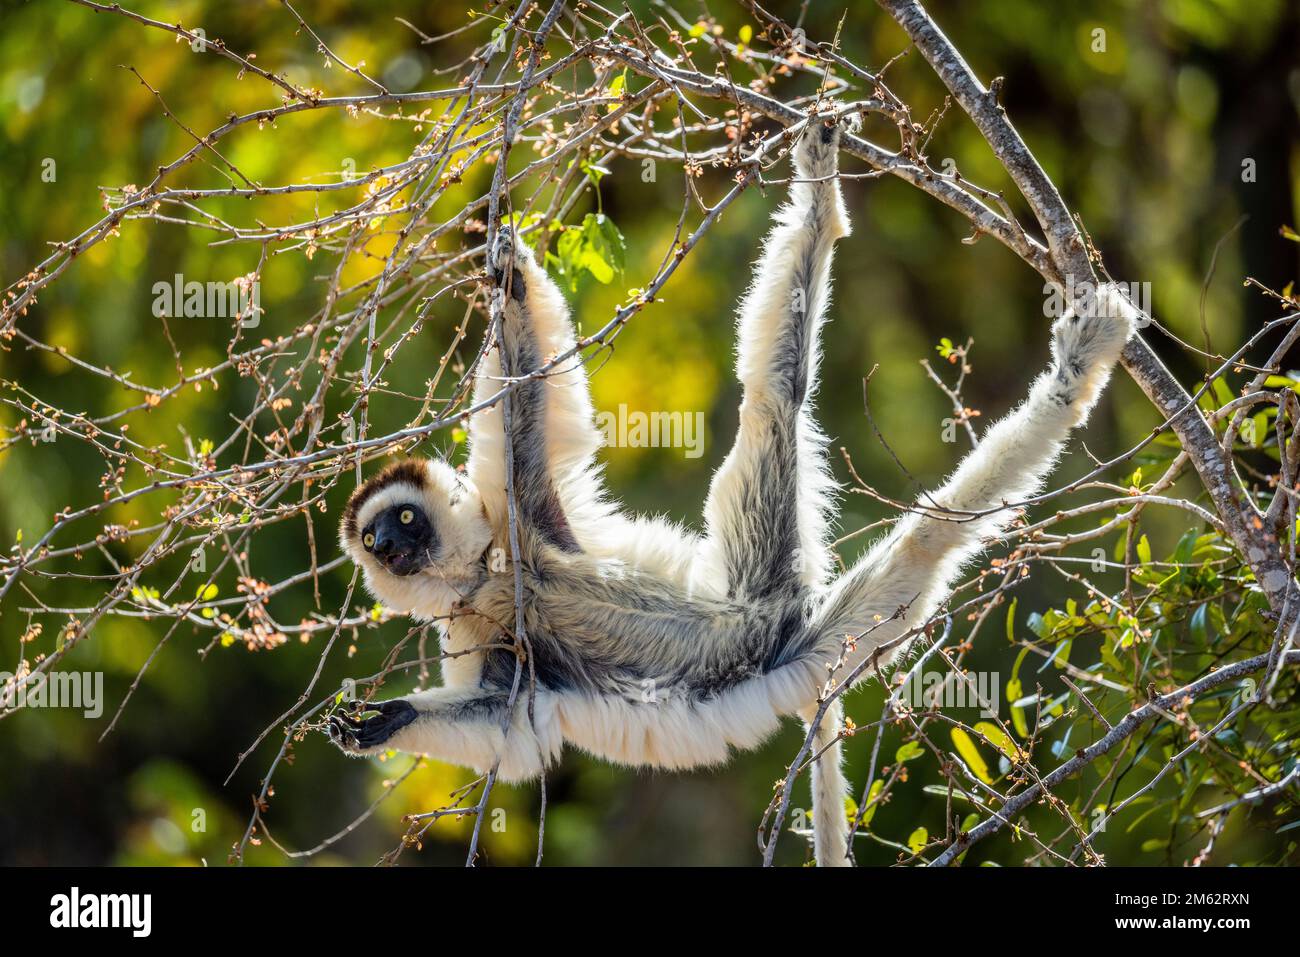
(368, 540)
(407, 516)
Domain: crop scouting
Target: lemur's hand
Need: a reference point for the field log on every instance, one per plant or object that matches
(1095, 336)
(817, 153)
(508, 253)
(1086, 345)
(362, 736)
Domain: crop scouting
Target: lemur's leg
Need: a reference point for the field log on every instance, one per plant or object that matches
(458, 725)
(912, 567)
(766, 510)
(765, 513)
(555, 437)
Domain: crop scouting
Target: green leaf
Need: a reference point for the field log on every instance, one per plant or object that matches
(1186, 548)
(1015, 690)
(1144, 550)
(907, 752)
(872, 805)
(595, 248)
(1060, 656)
(998, 738)
(1020, 721)
(1221, 391)
(1260, 430)
(918, 839)
(971, 755)
(617, 88)
(594, 172)
(1200, 631)
(1108, 655)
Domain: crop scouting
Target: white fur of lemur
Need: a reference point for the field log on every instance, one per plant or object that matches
(653, 645)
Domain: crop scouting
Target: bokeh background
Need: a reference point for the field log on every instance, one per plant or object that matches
(1147, 141)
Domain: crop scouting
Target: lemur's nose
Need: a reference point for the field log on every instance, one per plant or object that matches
(385, 544)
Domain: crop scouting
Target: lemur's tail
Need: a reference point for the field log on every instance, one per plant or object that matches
(830, 823)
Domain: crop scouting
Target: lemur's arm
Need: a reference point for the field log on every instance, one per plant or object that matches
(553, 437)
(765, 512)
(460, 725)
(913, 565)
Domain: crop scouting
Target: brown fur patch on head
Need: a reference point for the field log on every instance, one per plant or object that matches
(409, 471)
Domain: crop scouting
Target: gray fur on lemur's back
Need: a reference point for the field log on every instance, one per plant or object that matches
(653, 645)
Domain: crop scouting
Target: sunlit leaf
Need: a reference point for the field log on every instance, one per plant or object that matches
(998, 738)
(910, 750)
(917, 840)
(971, 755)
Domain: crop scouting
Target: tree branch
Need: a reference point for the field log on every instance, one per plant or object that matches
(1071, 267)
(1130, 723)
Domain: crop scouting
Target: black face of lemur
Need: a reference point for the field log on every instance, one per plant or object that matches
(401, 538)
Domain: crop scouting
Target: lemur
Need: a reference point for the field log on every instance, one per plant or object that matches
(652, 645)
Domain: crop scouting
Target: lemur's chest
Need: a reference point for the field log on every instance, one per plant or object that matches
(478, 641)
(579, 636)
(606, 629)
(463, 640)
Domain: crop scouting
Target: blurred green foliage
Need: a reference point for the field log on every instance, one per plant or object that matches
(1146, 140)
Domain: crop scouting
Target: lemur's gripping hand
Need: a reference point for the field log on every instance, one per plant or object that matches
(816, 155)
(367, 735)
(1086, 345)
(508, 253)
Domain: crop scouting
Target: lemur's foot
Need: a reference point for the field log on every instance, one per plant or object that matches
(361, 736)
(1087, 343)
(507, 253)
(817, 153)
